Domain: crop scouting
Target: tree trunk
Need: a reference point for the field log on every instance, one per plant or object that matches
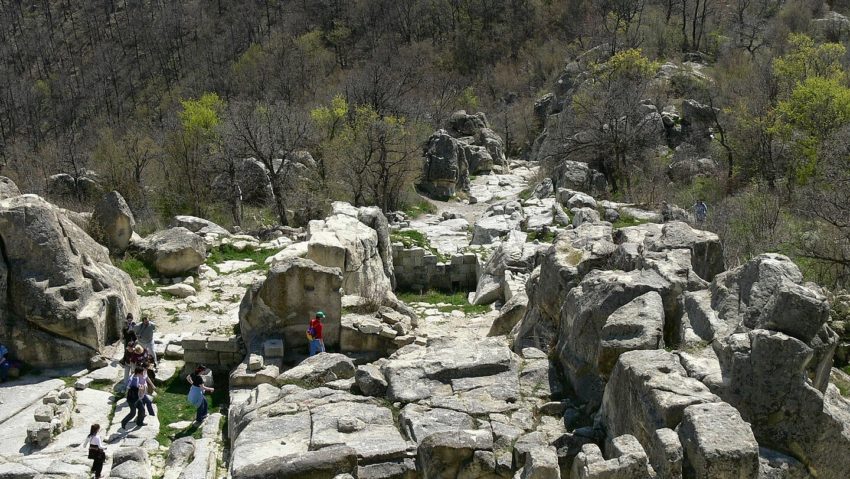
(279, 202)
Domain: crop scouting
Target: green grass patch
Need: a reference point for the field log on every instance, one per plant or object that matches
(526, 193)
(421, 208)
(227, 252)
(456, 301)
(413, 239)
(547, 237)
(136, 268)
(172, 407)
(627, 220)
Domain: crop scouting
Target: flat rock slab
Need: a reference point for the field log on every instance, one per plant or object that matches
(367, 428)
(268, 438)
(18, 395)
(93, 407)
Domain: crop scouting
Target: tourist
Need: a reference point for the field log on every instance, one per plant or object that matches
(700, 211)
(127, 333)
(146, 392)
(196, 393)
(144, 331)
(135, 388)
(314, 335)
(5, 364)
(97, 450)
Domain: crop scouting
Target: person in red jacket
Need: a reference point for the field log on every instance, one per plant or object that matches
(314, 334)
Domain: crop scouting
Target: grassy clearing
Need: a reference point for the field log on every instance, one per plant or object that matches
(627, 220)
(413, 239)
(227, 252)
(547, 237)
(456, 301)
(420, 208)
(172, 407)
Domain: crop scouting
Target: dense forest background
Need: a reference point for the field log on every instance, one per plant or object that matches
(158, 99)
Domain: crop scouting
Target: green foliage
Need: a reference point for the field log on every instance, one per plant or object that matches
(627, 220)
(172, 406)
(201, 116)
(807, 59)
(547, 237)
(227, 252)
(136, 268)
(421, 208)
(410, 239)
(455, 301)
(625, 66)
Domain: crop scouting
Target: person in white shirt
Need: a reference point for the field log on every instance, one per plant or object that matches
(97, 451)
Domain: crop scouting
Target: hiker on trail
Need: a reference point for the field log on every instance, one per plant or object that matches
(97, 450)
(314, 334)
(196, 393)
(700, 211)
(145, 395)
(144, 331)
(135, 388)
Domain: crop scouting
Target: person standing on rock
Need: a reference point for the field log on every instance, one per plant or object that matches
(700, 211)
(315, 339)
(196, 393)
(144, 331)
(135, 388)
(97, 451)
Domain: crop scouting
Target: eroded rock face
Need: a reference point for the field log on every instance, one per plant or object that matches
(578, 176)
(112, 222)
(717, 443)
(284, 302)
(8, 188)
(172, 252)
(443, 174)
(62, 298)
(361, 252)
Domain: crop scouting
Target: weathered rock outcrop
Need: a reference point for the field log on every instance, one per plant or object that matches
(282, 304)
(359, 248)
(112, 222)
(8, 188)
(466, 147)
(62, 298)
(173, 251)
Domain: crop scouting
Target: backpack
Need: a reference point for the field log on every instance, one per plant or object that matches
(311, 333)
(133, 391)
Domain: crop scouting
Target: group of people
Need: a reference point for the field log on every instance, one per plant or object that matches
(140, 359)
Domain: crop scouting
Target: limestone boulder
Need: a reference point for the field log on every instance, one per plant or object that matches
(343, 241)
(199, 226)
(639, 324)
(585, 313)
(494, 144)
(252, 180)
(8, 188)
(443, 455)
(172, 252)
(706, 249)
(490, 228)
(62, 299)
(649, 390)
(443, 170)
(717, 443)
(461, 123)
(319, 369)
(112, 222)
(578, 176)
(283, 302)
(367, 428)
(370, 380)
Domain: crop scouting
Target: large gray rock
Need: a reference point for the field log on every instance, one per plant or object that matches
(370, 380)
(443, 455)
(418, 422)
(199, 226)
(284, 302)
(8, 188)
(130, 462)
(252, 179)
(373, 217)
(639, 324)
(649, 390)
(320, 369)
(326, 463)
(717, 443)
(173, 251)
(628, 461)
(61, 300)
(281, 438)
(585, 313)
(366, 428)
(343, 241)
(112, 222)
(706, 249)
(443, 171)
(578, 176)
(461, 123)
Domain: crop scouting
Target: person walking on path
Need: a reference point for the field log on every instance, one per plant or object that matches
(314, 335)
(700, 211)
(97, 451)
(135, 388)
(196, 393)
(144, 331)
